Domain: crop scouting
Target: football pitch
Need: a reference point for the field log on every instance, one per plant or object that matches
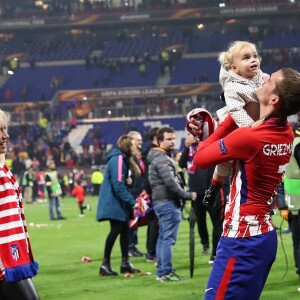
(59, 245)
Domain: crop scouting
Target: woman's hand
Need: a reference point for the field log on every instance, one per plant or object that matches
(129, 180)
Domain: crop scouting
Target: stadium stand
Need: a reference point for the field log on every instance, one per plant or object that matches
(99, 50)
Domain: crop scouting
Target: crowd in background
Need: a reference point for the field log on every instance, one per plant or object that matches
(32, 147)
(69, 7)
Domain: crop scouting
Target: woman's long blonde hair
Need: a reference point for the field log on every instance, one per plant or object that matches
(125, 145)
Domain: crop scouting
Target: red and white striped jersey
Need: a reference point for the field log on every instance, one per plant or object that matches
(260, 157)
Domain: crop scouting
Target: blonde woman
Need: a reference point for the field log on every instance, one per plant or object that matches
(17, 265)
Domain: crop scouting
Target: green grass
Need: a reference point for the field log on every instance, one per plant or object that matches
(59, 245)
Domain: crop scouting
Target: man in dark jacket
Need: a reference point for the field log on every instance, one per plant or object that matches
(166, 194)
(153, 226)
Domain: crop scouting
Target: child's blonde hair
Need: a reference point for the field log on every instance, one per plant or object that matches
(226, 57)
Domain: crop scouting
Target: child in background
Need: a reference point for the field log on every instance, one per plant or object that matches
(79, 193)
(240, 77)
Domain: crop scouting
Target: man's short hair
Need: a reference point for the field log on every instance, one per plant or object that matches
(288, 91)
(161, 132)
(153, 133)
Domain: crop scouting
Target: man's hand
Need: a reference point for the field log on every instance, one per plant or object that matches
(194, 196)
(284, 214)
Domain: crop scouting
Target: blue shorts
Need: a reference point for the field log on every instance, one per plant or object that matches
(241, 267)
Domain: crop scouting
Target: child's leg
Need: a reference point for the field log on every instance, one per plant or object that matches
(221, 171)
(81, 207)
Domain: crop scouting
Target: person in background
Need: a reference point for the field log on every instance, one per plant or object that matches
(153, 226)
(79, 193)
(54, 191)
(17, 265)
(136, 188)
(288, 197)
(18, 166)
(63, 187)
(65, 180)
(182, 174)
(9, 161)
(116, 204)
(41, 181)
(167, 191)
(198, 181)
(27, 184)
(96, 180)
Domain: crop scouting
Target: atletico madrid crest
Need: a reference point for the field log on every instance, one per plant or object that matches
(14, 250)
